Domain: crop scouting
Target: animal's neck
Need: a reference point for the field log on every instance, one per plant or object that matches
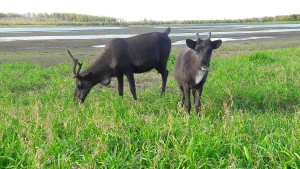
(100, 69)
(199, 76)
(199, 72)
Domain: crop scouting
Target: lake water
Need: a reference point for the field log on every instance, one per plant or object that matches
(232, 30)
(182, 42)
(234, 26)
(187, 27)
(56, 29)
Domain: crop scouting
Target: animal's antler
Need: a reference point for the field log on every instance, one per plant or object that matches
(76, 62)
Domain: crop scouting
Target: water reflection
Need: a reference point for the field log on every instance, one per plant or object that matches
(57, 29)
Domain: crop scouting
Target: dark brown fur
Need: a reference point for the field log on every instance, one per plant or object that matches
(188, 63)
(126, 56)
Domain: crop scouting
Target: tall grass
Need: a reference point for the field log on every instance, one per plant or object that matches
(250, 118)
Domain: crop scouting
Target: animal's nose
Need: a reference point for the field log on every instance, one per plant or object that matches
(204, 63)
(77, 97)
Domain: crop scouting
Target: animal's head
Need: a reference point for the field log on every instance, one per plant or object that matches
(83, 83)
(204, 48)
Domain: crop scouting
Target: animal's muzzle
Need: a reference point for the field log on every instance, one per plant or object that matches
(204, 67)
(77, 97)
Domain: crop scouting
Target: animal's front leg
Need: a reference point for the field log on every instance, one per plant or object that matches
(182, 96)
(198, 96)
(187, 92)
(197, 101)
(120, 84)
(130, 78)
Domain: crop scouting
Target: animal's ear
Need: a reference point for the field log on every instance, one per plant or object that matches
(87, 75)
(216, 44)
(190, 43)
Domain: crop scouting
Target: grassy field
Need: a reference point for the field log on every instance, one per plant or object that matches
(250, 118)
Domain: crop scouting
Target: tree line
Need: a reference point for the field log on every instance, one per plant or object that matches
(82, 19)
(55, 19)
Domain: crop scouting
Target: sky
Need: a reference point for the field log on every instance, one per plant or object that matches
(160, 10)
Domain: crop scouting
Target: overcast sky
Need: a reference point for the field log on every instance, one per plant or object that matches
(135, 10)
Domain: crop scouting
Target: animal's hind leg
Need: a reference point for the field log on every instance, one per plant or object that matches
(130, 78)
(164, 54)
(164, 76)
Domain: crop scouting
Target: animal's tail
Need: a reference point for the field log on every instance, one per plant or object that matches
(167, 31)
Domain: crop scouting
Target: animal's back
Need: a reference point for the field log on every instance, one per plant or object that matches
(146, 44)
(142, 52)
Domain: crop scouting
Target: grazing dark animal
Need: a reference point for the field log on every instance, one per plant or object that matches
(125, 56)
(191, 69)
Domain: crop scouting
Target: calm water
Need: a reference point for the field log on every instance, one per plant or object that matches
(182, 42)
(26, 38)
(233, 30)
(192, 27)
(188, 27)
(56, 29)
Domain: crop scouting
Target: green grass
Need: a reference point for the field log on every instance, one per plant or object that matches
(250, 118)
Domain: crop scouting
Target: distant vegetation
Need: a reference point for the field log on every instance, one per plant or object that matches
(55, 19)
(81, 19)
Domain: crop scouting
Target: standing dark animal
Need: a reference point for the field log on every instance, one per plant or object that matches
(191, 69)
(125, 56)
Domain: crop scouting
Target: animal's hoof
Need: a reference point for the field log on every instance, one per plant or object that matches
(180, 107)
(138, 102)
